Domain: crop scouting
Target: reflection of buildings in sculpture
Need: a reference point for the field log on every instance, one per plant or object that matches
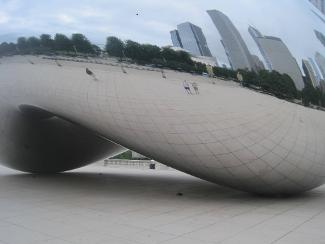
(320, 4)
(191, 38)
(309, 73)
(278, 57)
(211, 61)
(316, 70)
(176, 40)
(257, 34)
(258, 64)
(208, 61)
(320, 37)
(320, 60)
(234, 45)
(321, 18)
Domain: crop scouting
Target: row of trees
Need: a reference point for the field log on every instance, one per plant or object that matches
(154, 55)
(272, 82)
(281, 85)
(314, 96)
(76, 43)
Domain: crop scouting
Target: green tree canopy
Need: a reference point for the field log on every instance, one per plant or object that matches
(7, 48)
(46, 41)
(62, 43)
(81, 43)
(133, 50)
(177, 56)
(33, 43)
(225, 73)
(97, 50)
(150, 52)
(114, 46)
(22, 43)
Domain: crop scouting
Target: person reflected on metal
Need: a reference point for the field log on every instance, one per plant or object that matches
(196, 88)
(187, 87)
(240, 78)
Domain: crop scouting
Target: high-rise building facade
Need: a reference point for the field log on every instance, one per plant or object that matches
(191, 38)
(258, 63)
(320, 4)
(316, 70)
(320, 36)
(309, 73)
(320, 60)
(278, 57)
(256, 34)
(176, 39)
(235, 47)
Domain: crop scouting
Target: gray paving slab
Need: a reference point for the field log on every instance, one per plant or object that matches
(99, 204)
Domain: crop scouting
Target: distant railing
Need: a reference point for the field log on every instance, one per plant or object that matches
(138, 164)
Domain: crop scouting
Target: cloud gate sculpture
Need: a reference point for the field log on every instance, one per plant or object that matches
(241, 123)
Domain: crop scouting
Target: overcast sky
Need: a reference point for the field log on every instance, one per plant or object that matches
(291, 20)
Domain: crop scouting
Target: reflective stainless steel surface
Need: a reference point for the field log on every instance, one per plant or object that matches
(246, 129)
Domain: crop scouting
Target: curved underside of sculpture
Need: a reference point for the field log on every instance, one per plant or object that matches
(58, 117)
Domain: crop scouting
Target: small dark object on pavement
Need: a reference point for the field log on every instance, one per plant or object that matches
(89, 72)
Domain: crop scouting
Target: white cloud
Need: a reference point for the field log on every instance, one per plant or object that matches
(66, 19)
(4, 18)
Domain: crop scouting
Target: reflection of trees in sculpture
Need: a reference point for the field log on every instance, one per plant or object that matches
(45, 43)
(280, 85)
(114, 46)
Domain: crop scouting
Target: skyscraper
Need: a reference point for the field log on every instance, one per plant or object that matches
(258, 63)
(256, 34)
(320, 4)
(320, 36)
(176, 40)
(309, 73)
(191, 38)
(277, 56)
(235, 47)
(316, 70)
(320, 60)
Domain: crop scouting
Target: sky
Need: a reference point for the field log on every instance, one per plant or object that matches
(149, 21)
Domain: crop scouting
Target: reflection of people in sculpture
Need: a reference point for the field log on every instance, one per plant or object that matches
(240, 77)
(187, 87)
(196, 88)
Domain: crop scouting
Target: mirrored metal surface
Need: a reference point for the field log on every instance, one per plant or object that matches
(229, 91)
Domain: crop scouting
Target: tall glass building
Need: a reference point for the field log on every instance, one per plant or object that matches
(320, 60)
(316, 70)
(309, 73)
(320, 37)
(278, 57)
(176, 39)
(320, 4)
(235, 47)
(192, 39)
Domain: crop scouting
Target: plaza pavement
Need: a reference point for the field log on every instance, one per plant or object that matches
(99, 204)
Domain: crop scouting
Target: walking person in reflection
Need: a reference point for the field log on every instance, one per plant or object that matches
(187, 87)
(240, 78)
(196, 88)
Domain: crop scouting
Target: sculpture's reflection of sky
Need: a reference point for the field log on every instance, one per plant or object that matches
(291, 20)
